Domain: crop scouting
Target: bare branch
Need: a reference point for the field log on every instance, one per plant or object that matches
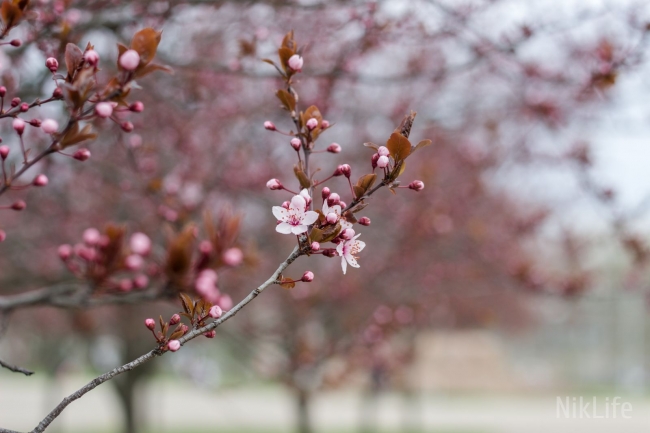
(15, 368)
(160, 351)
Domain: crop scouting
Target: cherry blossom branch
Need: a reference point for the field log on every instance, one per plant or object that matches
(15, 368)
(273, 279)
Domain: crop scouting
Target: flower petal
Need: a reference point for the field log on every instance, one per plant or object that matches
(351, 260)
(344, 264)
(298, 203)
(284, 228)
(309, 218)
(299, 229)
(280, 213)
(360, 245)
(339, 249)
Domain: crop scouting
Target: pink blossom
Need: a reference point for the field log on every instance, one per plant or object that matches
(295, 62)
(127, 126)
(383, 151)
(140, 244)
(91, 236)
(315, 246)
(50, 126)
(307, 277)
(64, 251)
(364, 221)
(4, 151)
(92, 57)
(130, 60)
(211, 334)
(382, 162)
(215, 312)
(225, 302)
(133, 262)
(175, 319)
(125, 285)
(347, 234)
(332, 218)
(324, 124)
(233, 257)
(325, 192)
(416, 185)
(269, 125)
(19, 205)
(347, 251)
(18, 125)
(173, 345)
(104, 109)
(345, 170)
(334, 148)
(40, 180)
(304, 193)
(150, 323)
(311, 124)
(274, 184)
(140, 281)
(296, 219)
(296, 143)
(137, 107)
(3, 235)
(333, 199)
(52, 64)
(81, 154)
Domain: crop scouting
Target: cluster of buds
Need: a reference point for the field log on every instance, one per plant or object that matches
(103, 259)
(196, 311)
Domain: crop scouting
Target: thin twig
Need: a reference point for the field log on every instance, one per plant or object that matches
(15, 368)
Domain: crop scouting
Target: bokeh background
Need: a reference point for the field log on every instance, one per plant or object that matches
(518, 275)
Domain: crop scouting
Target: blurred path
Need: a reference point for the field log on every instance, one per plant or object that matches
(170, 405)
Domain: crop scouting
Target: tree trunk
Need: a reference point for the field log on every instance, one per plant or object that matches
(302, 405)
(125, 389)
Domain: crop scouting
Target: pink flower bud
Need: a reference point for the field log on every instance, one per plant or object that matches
(225, 302)
(126, 126)
(19, 125)
(24, 107)
(330, 252)
(57, 93)
(274, 184)
(383, 151)
(125, 285)
(295, 62)
(92, 57)
(91, 236)
(175, 319)
(81, 154)
(173, 345)
(64, 251)
(233, 257)
(347, 234)
(416, 185)
(334, 148)
(315, 246)
(307, 277)
(296, 143)
(140, 281)
(3, 235)
(333, 199)
(19, 205)
(52, 64)
(40, 180)
(133, 262)
(205, 247)
(382, 162)
(130, 60)
(364, 221)
(269, 125)
(4, 152)
(104, 109)
(184, 328)
(215, 312)
(374, 159)
(209, 275)
(324, 124)
(343, 204)
(50, 126)
(15, 102)
(36, 123)
(137, 107)
(325, 192)
(140, 244)
(331, 218)
(211, 334)
(150, 323)
(3, 91)
(345, 169)
(16, 42)
(311, 124)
